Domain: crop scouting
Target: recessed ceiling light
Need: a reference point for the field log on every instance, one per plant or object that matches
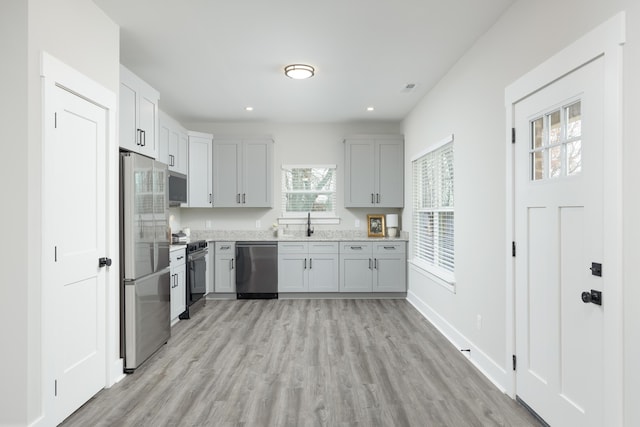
(370, 108)
(248, 108)
(299, 71)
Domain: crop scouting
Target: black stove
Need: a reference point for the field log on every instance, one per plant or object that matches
(196, 276)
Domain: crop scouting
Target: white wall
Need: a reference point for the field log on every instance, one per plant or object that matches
(469, 102)
(79, 34)
(294, 144)
(13, 175)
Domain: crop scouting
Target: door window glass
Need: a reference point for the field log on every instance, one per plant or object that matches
(556, 143)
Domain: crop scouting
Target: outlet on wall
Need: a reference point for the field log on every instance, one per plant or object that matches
(357, 223)
(258, 224)
(207, 224)
(479, 322)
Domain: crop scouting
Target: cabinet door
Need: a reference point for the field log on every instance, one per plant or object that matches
(292, 273)
(226, 179)
(323, 272)
(257, 174)
(174, 141)
(359, 174)
(356, 272)
(225, 269)
(128, 117)
(178, 294)
(148, 123)
(182, 159)
(163, 144)
(390, 273)
(390, 174)
(200, 175)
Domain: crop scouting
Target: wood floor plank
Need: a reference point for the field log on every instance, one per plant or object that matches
(304, 363)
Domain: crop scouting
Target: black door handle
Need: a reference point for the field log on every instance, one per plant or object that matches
(593, 297)
(102, 262)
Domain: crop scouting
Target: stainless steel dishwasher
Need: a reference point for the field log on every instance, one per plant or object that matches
(257, 270)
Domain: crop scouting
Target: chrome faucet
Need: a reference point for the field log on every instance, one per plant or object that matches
(309, 229)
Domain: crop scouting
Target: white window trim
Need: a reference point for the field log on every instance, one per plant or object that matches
(439, 275)
(444, 278)
(433, 147)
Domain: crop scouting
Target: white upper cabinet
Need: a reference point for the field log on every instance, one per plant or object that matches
(173, 144)
(243, 172)
(200, 170)
(138, 115)
(374, 171)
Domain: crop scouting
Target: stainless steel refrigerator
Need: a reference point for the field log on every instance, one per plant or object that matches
(144, 251)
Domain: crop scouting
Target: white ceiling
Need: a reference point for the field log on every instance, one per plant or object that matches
(210, 59)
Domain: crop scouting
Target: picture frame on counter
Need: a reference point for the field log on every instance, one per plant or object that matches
(375, 225)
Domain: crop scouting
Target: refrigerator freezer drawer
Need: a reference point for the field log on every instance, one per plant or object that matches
(147, 317)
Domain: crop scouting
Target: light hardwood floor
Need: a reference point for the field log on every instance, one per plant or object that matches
(304, 363)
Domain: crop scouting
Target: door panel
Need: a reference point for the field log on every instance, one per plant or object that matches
(559, 232)
(79, 188)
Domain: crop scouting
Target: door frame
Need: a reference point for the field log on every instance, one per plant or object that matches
(55, 73)
(605, 41)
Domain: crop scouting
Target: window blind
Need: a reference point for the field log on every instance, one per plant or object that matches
(433, 202)
(309, 189)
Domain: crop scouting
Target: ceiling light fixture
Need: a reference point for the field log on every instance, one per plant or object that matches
(248, 108)
(370, 108)
(299, 71)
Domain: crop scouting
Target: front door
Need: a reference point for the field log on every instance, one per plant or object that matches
(558, 171)
(76, 180)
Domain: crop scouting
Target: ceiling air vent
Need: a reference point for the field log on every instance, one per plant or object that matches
(409, 87)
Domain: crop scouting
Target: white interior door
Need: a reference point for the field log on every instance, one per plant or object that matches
(77, 179)
(559, 233)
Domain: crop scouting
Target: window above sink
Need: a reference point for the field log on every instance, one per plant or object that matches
(308, 188)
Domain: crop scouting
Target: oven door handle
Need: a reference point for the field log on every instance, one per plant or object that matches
(198, 255)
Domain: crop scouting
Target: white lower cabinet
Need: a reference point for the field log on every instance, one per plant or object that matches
(373, 267)
(307, 267)
(178, 267)
(225, 269)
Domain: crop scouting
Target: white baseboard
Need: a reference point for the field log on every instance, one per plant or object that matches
(116, 372)
(486, 365)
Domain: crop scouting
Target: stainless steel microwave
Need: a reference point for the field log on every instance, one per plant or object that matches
(177, 188)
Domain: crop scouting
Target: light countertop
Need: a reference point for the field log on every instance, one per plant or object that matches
(318, 236)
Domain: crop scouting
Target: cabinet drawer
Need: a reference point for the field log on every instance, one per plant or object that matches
(293, 247)
(356, 247)
(177, 257)
(388, 247)
(225, 247)
(323, 247)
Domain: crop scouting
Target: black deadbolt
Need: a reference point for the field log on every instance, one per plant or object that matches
(104, 262)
